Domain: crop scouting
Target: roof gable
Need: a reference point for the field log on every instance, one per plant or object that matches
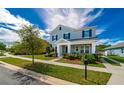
(62, 41)
(62, 26)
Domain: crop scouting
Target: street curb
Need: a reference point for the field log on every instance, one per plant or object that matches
(38, 76)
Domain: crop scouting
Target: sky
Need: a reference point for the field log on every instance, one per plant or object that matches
(109, 22)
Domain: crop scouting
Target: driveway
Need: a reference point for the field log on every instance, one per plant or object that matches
(11, 77)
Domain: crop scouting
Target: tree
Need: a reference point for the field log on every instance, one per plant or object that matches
(100, 48)
(2, 48)
(30, 38)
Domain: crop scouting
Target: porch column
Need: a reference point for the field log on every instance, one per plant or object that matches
(69, 48)
(58, 50)
(93, 48)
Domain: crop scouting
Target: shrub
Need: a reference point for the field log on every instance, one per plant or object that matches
(72, 56)
(91, 58)
(51, 54)
(97, 56)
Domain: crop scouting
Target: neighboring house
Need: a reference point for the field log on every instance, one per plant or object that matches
(117, 49)
(69, 40)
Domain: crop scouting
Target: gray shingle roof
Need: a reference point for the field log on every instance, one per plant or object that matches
(119, 45)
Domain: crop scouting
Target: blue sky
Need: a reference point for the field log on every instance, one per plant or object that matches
(109, 22)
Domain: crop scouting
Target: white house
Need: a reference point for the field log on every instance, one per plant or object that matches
(117, 49)
(69, 40)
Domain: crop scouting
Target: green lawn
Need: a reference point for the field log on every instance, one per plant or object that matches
(42, 57)
(111, 62)
(118, 58)
(65, 73)
(79, 62)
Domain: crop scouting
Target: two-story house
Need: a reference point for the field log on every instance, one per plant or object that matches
(69, 40)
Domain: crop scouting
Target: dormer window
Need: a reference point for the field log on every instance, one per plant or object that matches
(60, 28)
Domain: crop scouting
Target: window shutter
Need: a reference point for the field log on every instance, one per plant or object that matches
(68, 35)
(83, 34)
(56, 37)
(64, 36)
(90, 33)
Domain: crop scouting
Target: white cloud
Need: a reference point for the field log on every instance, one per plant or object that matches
(8, 35)
(17, 22)
(75, 18)
(100, 30)
(109, 41)
(7, 17)
(102, 41)
(117, 42)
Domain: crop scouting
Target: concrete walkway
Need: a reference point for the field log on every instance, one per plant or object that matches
(62, 64)
(117, 77)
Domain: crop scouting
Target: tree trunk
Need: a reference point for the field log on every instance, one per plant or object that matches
(32, 58)
(32, 55)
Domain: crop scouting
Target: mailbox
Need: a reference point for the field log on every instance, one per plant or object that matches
(85, 61)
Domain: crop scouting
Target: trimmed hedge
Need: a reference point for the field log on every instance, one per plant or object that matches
(90, 57)
(51, 54)
(72, 56)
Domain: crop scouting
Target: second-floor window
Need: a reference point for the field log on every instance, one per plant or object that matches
(66, 36)
(55, 38)
(87, 33)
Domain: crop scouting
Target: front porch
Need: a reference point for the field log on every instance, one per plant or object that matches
(80, 47)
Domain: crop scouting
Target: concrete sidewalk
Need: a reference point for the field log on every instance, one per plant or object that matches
(43, 78)
(62, 64)
(117, 77)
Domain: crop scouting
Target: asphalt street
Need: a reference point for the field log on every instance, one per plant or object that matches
(10, 77)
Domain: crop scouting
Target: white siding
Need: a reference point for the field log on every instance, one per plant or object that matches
(74, 34)
(115, 52)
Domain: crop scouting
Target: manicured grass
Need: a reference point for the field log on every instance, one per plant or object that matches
(79, 62)
(118, 58)
(111, 62)
(65, 73)
(42, 57)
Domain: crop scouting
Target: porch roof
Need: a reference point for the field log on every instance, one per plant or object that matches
(75, 41)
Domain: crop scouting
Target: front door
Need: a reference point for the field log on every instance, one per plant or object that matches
(64, 49)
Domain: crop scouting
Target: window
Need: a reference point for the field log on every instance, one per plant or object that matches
(66, 36)
(52, 38)
(77, 48)
(87, 33)
(60, 28)
(55, 37)
(122, 50)
(82, 49)
(87, 49)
